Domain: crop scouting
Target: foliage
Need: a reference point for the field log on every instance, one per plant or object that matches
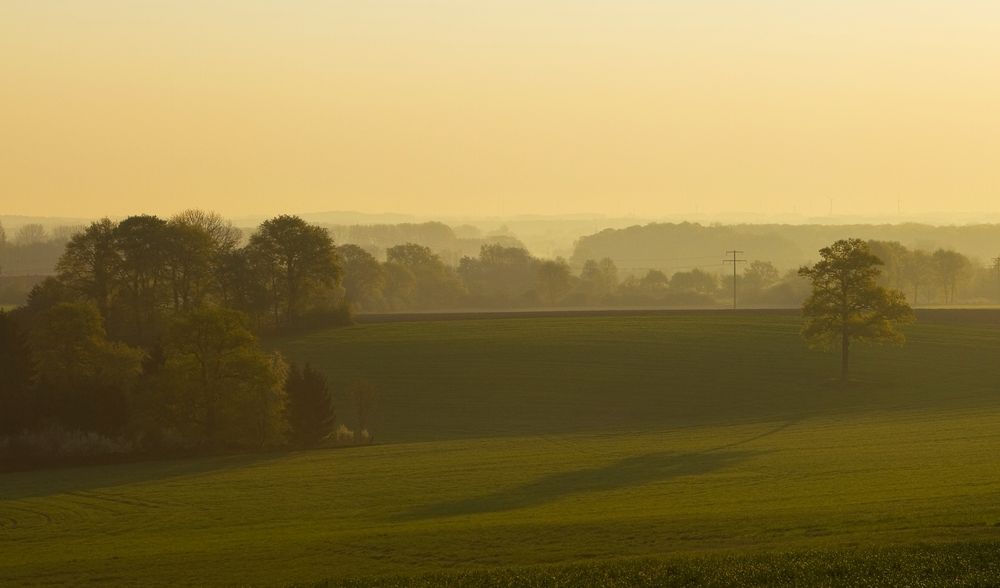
(695, 281)
(89, 264)
(951, 267)
(310, 406)
(344, 435)
(142, 277)
(598, 279)
(176, 290)
(500, 276)
(84, 379)
(30, 234)
(53, 444)
(17, 378)
(297, 260)
(364, 278)
(918, 272)
(420, 273)
(554, 281)
(760, 275)
(847, 304)
(217, 387)
(143, 269)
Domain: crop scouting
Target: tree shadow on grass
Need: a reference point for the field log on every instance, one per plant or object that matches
(632, 471)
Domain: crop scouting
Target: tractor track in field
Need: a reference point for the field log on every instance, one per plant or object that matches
(98, 496)
(31, 513)
(8, 523)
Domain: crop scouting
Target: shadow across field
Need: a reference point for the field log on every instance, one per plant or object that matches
(632, 471)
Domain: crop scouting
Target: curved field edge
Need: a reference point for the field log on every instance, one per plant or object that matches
(924, 565)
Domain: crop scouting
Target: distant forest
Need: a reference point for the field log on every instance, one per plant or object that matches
(434, 266)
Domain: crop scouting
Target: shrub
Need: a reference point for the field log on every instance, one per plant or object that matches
(55, 443)
(344, 435)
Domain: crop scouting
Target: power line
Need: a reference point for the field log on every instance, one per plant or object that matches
(735, 263)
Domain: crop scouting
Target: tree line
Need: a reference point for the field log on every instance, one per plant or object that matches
(414, 277)
(934, 276)
(147, 340)
(417, 266)
(666, 245)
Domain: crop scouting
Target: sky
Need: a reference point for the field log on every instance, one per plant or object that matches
(438, 107)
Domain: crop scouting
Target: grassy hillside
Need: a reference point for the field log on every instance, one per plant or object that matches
(473, 378)
(710, 442)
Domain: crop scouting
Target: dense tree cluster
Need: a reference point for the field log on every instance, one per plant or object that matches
(143, 268)
(147, 339)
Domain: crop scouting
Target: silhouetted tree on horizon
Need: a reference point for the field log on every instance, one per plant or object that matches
(297, 258)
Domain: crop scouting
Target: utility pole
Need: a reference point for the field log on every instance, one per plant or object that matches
(735, 263)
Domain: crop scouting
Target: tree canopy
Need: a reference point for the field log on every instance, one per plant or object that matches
(218, 387)
(847, 304)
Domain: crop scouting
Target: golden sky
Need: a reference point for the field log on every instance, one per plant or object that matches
(647, 107)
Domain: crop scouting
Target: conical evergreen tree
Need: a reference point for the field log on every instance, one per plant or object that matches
(310, 406)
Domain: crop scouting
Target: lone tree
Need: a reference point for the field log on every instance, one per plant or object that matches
(846, 303)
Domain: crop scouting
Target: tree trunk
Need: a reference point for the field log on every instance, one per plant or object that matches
(845, 347)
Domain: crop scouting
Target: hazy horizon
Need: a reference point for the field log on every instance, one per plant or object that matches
(389, 217)
(449, 109)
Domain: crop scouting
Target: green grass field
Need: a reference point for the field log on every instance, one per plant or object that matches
(664, 450)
